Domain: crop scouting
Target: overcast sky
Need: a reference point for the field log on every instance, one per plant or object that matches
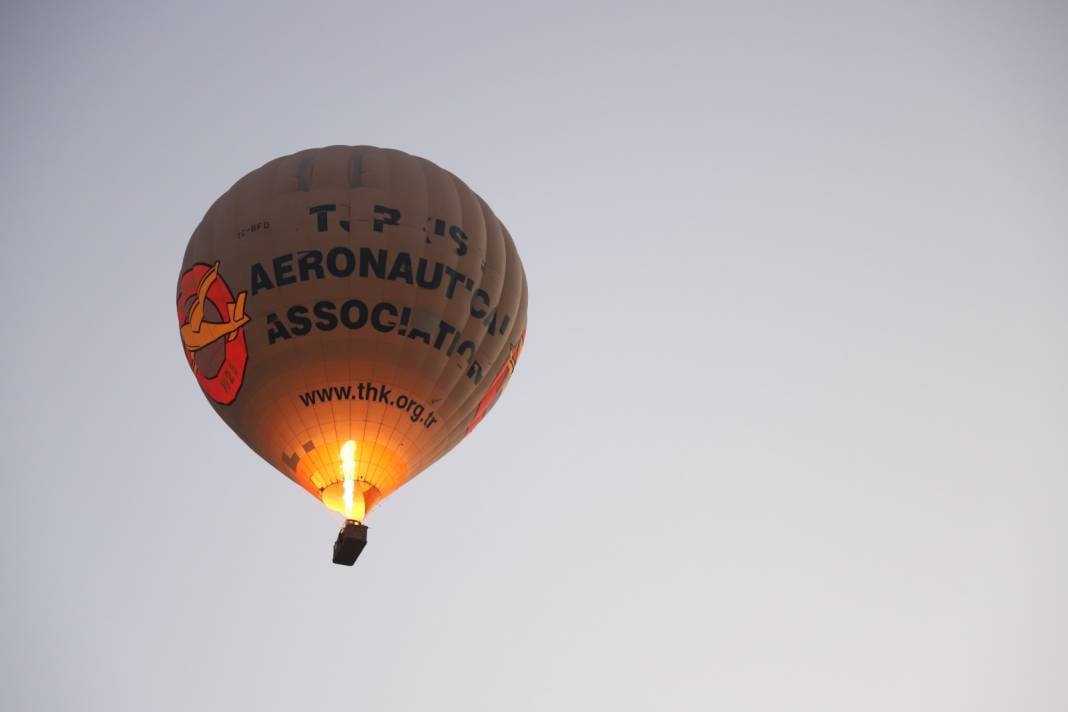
(789, 430)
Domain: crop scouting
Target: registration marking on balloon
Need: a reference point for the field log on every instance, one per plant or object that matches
(212, 322)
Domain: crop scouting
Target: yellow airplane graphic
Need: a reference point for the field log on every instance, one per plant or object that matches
(197, 333)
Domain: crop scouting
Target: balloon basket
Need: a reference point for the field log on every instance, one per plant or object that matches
(350, 542)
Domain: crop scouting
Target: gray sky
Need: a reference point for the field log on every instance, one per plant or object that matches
(789, 431)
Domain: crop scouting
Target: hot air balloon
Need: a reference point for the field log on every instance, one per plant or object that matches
(352, 313)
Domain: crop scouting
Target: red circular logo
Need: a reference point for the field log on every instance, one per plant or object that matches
(495, 389)
(212, 322)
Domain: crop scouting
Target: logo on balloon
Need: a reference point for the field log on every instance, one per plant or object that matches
(498, 383)
(212, 322)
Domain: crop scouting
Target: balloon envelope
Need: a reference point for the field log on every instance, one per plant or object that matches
(351, 313)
